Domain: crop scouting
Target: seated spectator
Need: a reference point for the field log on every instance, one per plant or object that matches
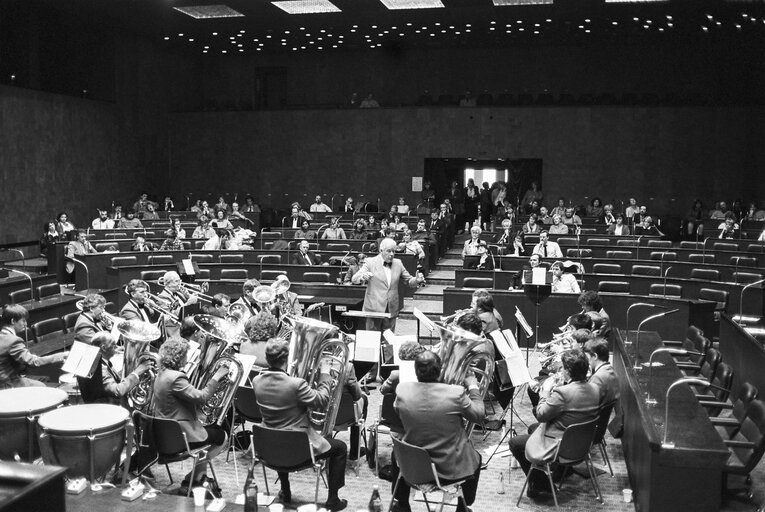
(409, 246)
(176, 225)
(369, 102)
(334, 231)
(531, 226)
(372, 224)
(359, 231)
(250, 206)
(560, 209)
(544, 216)
(318, 206)
(49, 238)
(77, 247)
(504, 237)
(102, 221)
(547, 248)
(403, 208)
(647, 228)
(296, 216)
(570, 218)
(467, 100)
(754, 213)
(517, 249)
(505, 211)
(141, 245)
(618, 228)
(728, 228)
(150, 213)
(305, 232)
(532, 208)
(173, 242)
(220, 241)
(474, 244)
(221, 221)
(169, 205)
(719, 211)
(557, 227)
(608, 217)
(347, 207)
(695, 218)
(203, 230)
(129, 221)
(632, 209)
(237, 214)
(117, 213)
(398, 224)
(141, 205)
(221, 205)
(196, 207)
(595, 209)
(354, 265)
(563, 282)
(206, 211)
(63, 226)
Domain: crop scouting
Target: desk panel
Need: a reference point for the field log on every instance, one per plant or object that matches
(744, 353)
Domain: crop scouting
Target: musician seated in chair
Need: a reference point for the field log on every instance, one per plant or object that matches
(91, 321)
(432, 414)
(259, 328)
(14, 356)
(176, 398)
(176, 295)
(287, 302)
(106, 386)
(247, 299)
(565, 401)
(138, 306)
(284, 402)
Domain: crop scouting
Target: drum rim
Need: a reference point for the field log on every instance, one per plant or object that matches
(41, 421)
(63, 396)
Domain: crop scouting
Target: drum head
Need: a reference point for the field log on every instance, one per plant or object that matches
(84, 418)
(21, 401)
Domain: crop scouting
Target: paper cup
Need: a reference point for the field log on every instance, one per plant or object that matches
(276, 507)
(627, 495)
(199, 496)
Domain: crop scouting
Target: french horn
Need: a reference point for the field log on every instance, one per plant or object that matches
(314, 344)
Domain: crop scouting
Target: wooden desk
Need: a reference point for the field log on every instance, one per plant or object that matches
(17, 282)
(686, 477)
(744, 353)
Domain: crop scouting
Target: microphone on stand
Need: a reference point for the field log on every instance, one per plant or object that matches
(637, 249)
(637, 304)
(684, 380)
(340, 279)
(735, 270)
(29, 277)
(741, 300)
(665, 281)
(494, 270)
(635, 365)
(676, 351)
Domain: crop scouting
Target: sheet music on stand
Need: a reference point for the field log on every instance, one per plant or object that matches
(396, 342)
(523, 323)
(82, 360)
(367, 346)
(406, 372)
(427, 322)
(511, 353)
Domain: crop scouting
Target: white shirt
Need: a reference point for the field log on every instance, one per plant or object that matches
(102, 224)
(552, 250)
(387, 271)
(321, 208)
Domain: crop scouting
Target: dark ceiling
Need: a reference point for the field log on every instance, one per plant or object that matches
(368, 24)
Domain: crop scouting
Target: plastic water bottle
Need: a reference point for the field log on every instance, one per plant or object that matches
(375, 502)
(250, 491)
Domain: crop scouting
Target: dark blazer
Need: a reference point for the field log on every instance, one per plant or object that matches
(568, 404)
(380, 296)
(438, 227)
(432, 415)
(298, 258)
(176, 398)
(284, 402)
(132, 311)
(15, 358)
(105, 386)
(605, 379)
(85, 328)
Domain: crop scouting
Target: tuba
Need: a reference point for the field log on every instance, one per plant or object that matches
(137, 336)
(461, 352)
(311, 343)
(217, 351)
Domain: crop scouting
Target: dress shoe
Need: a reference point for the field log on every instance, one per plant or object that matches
(285, 496)
(398, 507)
(336, 504)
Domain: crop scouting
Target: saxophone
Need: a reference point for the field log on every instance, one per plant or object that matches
(313, 342)
(461, 352)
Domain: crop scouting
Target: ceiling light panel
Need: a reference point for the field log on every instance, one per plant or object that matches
(202, 12)
(503, 3)
(412, 4)
(306, 6)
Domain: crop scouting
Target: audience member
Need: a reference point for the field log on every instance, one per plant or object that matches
(102, 221)
(129, 221)
(49, 238)
(319, 207)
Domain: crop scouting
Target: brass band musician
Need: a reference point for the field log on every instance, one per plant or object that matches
(247, 299)
(91, 321)
(287, 301)
(177, 300)
(106, 385)
(138, 306)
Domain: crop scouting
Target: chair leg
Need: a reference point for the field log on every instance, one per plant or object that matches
(523, 489)
(594, 479)
(191, 478)
(265, 477)
(395, 488)
(317, 468)
(167, 468)
(548, 472)
(212, 470)
(606, 458)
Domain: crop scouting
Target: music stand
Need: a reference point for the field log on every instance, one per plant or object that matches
(188, 270)
(358, 315)
(537, 293)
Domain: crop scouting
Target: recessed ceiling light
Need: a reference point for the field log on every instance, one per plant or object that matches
(306, 6)
(209, 11)
(412, 4)
(167, 38)
(502, 3)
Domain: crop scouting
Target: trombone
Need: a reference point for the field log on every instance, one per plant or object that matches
(198, 290)
(161, 304)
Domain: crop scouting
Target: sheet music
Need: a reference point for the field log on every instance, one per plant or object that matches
(396, 342)
(517, 369)
(367, 346)
(82, 360)
(406, 372)
(505, 342)
(538, 275)
(425, 320)
(188, 267)
(523, 323)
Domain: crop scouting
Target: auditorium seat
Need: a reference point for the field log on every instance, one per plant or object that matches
(369, 247)
(186, 246)
(578, 253)
(161, 259)
(719, 391)
(627, 242)
(478, 282)
(267, 245)
(685, 244)
(607, 268)
(614, 287)
(705, 274)
(19, 296)
(232, 258)
(743, 261)
(718, 296)
(271, 275)
(104, 246)
(271, 235)
(566, 241)
(233, 273)
(663, 256)
(269, 258)
(70, 320)
(598, 241)
(199, 244)
(151, 275)
(660, 243)
(202, 258)
(670, 290)
(46, 329)
(315, 277)
(746, 277)
(725, 246)
(646, 270)
(619, 255)
(756, 248)
(48, 290)
(588, 231)
(123, 261)
(148, 234)
(338, 247)
(115, 235)
(204, 273)
(701, 258)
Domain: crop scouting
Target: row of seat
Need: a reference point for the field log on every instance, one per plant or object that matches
(741, 261)
(51, 328)
(42, 291)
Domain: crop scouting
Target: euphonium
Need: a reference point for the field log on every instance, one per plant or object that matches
(216, 351)
(143, 392)
(314, 343)
(462, 352)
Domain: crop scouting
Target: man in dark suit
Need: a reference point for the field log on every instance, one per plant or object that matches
(382, 275)
(137, 307)
(90, 321)
(304, 256)
(432, 415)
(284, 402)
(247, 300)
(176, 398)
(602, 373)
(563, 401)
(106, 386)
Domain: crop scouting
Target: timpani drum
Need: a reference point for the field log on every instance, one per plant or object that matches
(19, 409)
(68, 382)
(86, 439)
